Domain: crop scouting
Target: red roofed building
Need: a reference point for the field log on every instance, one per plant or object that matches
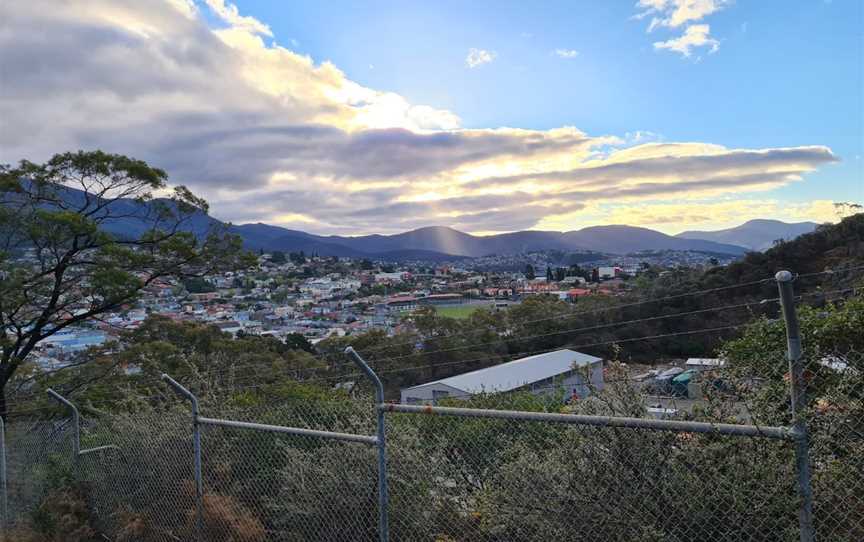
(578, 292)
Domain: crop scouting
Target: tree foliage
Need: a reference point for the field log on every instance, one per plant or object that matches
(60, 263)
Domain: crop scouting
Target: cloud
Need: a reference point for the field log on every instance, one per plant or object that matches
(673, 217)
(677, 13)
(676, 163)
(566, 53)
(270, 135)
(478, 57)
(231, 15)
(695, 36)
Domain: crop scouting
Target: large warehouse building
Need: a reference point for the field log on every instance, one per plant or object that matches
(560, 370)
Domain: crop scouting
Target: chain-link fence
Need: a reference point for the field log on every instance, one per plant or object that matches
(266, 485)
(451, 478)
(714, 454)
(38, 456)
(833, 414)
(138, 476)
(518, 479)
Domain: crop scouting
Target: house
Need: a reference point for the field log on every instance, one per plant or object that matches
(75, 339)
(538, 286)
(575, 293)
(543, 373)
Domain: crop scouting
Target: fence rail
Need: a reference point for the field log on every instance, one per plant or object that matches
(783, 433)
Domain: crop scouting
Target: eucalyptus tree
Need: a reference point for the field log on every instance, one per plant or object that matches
(85, 234)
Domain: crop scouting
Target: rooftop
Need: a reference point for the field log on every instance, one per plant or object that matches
(517, 373)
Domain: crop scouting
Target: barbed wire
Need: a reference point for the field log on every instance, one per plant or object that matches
(572, 315)
(232, 369)
(619, 306)
(592, 311)
(462, 362)
(589, 328)
(829, 272)
(171, 397)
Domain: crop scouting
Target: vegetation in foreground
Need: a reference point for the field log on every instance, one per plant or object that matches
(457, 479)
(451, 479)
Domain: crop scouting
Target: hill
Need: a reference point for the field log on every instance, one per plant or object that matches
(835, 247)
(443, 240)
(756, 234)
(432, 243)
(625, 239)
(830, 246)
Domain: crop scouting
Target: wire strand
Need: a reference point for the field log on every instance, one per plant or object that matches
(206, 374)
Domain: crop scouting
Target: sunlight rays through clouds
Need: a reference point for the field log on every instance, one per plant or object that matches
(267, 134)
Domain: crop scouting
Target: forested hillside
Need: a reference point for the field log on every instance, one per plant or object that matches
(831, 246)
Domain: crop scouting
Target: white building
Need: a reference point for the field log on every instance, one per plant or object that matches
(608, 272)
(397, 276)
(705, 364)
(543, 373)
(326, 287)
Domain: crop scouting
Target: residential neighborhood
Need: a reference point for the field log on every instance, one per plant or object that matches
(320, 297)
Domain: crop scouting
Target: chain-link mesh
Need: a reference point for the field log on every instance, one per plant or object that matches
(269, 486)
(834, 415)
(38, 456)
(496, 480)
(262, 485)
(141, 479)
(832, 403)
(464, 479)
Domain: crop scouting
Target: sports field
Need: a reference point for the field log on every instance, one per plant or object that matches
(458, 311)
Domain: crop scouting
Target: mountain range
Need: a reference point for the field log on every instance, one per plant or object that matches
(756, 234)
(443, 243)
(434, 242)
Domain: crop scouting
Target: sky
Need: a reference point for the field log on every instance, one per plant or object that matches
(350, 117)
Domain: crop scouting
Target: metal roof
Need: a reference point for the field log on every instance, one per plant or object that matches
(517, 373)
(705, 362)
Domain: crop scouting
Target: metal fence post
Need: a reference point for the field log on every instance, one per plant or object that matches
(76, 422)
(798, 401)
(196, 446)
(383, 493)
(3, 502)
